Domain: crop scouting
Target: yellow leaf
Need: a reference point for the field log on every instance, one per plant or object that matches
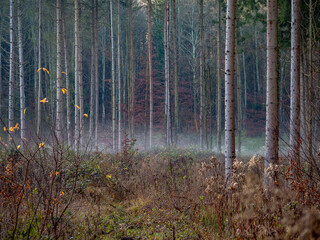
(61, 193)
(44, 100)
(45, 70)
(16, 127)
(41, 144)
(5, 129)
(24, 111)
(64, 90)
(18, 146)
(108, 176)
(86, 115)
(57, 173)
(11, 129)
(64, 73)
(77, 106)
(39, 69)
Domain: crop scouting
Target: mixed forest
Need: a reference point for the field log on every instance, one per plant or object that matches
(159, 119)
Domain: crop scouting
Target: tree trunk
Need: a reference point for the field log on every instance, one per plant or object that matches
(295, 83)
(150, 74)
(77, 8)
(59, 77)
(66, 63)
(219, 101)
(167, 74)
(92, 72)
(229, 91)
(272, 122)
(11, 70)
(40, 72)
(1, 32)
(132, 74)
(113, 84)
(201, 80)
(310, 92)
(238, 101)
(21, 76)
(176, 103)
(96, 75)
(119, 79)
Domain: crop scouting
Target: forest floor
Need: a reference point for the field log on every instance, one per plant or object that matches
(160, 194)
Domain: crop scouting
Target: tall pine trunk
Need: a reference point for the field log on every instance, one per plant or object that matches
(175, 54)
(295, 83)
(11, 70)
(21, 76)
(132, 74)
(59, 76)
(202, 83)
(39, 66)
(77, 72)
(229, 90)
(150, 74)
(66, 63)
(239, 120)
(92, 72)
(167, 74)
(272, 122)
(113, 83)
(119, 78)
(219, 100)
(96, 37)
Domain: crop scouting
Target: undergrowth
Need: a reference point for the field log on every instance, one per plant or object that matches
(57, 193)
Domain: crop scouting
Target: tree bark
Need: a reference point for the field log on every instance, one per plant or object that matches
(132, 73)
(11, 70)
(272, 119)
(150, 74)
(92, 72)
(295, 83)
(66, 63)
(59, 77)
(21, 76)
(119, 79)
(176, 103)
(219, 101)
(77, 73)
(40, 72)
(229, 91)
(113, 84)
(239, 120)
(201, 121)
(96, 45)
(167, 74)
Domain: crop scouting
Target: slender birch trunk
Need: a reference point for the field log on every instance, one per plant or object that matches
(66, 63)
(114, 147)
(59, 76)
(132, 73)
(219, 101)
(150, 74)
(119, 78)
(295, 83)
(11, 70)
(229, 90)
(21, 76)
(272, 117)
(92, 75)
(201, 125)
(176, 103)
